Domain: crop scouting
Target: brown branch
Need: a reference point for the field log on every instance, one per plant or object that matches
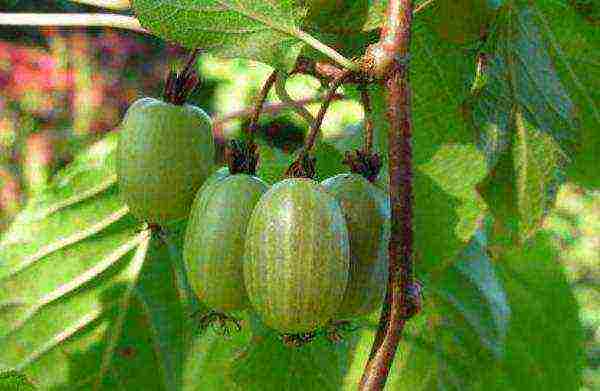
(316, 126)
(368, 136)
(387, 59)
(273, 108)
(304, 166)
(283, 95)
(262, 97)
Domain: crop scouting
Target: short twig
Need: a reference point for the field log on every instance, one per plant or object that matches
(260, 101)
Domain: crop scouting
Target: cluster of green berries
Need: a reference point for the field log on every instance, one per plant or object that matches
(298, 253)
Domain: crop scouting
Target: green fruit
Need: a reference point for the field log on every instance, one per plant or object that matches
(214, 244)
(216, 176)
(165, 153)
(367, 217)
(296, 259)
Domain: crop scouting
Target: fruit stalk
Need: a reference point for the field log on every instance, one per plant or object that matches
(304, 165)
(260, 102)
(388, 61)
(314, 131)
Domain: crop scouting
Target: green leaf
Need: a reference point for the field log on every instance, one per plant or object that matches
(522, 187)
(526, 123)
(265, 31)
(573, 46)
(339, 24)
(461, 21)
(530, 303)
(91, 173)
(85, 299)
(521, 76)
(14, 381)
(543, 309)
(329, 161)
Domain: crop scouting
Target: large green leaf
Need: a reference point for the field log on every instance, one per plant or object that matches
(544, 348)
(265, 31)
(86, 301)
(573, 45)
(526, 122)
(535, 305)
(462, 21)
(339, 24)
(522, 186)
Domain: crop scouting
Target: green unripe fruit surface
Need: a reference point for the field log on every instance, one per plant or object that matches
(214, 244)
(297, 256)
(216, 176)
(367, 217)
(165, 153)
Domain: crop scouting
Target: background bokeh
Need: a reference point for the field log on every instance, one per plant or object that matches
(61, 90)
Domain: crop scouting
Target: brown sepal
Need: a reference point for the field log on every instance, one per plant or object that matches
(241, 157)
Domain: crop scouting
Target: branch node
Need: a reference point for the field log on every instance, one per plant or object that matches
(414, 300)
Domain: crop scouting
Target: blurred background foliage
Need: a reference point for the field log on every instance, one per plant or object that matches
(60, 90)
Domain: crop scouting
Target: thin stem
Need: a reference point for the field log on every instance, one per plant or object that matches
(326, 50)
(273, 108)
(72, 20)
(260, 102)
(398, 308)
(118, 5)
(368, 136)
(422, 6)
(316, 126)
(285, 97)
(184, 290)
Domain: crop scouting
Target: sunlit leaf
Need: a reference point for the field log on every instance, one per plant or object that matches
(265, 31)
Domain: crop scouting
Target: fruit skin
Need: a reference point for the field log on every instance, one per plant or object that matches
(297, 256)
(367, 217)
(216, 176)
(214, 243)
(165, 152)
